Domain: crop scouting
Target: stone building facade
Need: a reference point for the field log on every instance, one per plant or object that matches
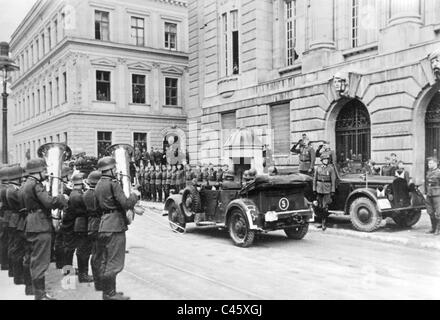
(269, 66)
(96, 73)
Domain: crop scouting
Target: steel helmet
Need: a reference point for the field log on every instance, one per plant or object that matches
(35, 166)
(106, 163)
(78, 178)
(94, 177)
(325, 155)
(252, 172)
(66, 171)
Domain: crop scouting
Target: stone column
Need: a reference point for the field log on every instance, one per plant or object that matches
(404, 11)
(322, 22)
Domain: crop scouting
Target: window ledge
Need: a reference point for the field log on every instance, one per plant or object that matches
(361, 49)
(102, 101)
(296, 67)
(171, 106)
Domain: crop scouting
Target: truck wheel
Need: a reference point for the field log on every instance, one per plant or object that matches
(239, 231)
(191, 201)
(297, 233)
(409, 219)
(176, 218)
(364, 215)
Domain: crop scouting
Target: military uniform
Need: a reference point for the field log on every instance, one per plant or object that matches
(93, 221)
(147, 179)
(212, 177)
(433, 198)
(306, 158)
(159, 185)
(153, 185)
(4, 240)
(113, 203)
(180, 180)
(173, 181)
(219, 175)
(198, 174)
(189, 176)
(167, 185)
(39, 226)
(324, 185)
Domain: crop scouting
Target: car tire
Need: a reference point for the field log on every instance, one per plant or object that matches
(239, 231)
(408, 220)
(176, 218)
(297, 233)
(364, 215)
(191, 201)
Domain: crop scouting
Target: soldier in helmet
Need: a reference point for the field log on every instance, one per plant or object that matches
(153, 185)
(198, 175)
(245, 178)
(83, 244)
(4, 222)
(112, 241)
(16, 241)
(39, 223)
(158, 183)
(180, 179)
(146, 183)
(324, 184)
(189, 175)
(93, 220)
(433, 195)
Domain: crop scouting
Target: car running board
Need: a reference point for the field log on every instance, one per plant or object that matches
(337, 212)
(206, 224)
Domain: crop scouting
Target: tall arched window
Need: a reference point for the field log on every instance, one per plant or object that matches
(432, 124)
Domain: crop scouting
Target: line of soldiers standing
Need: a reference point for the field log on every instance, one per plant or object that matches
(93, 224)
(158, 182)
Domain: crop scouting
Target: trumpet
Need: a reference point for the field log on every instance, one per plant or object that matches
(122, 153)
(55, 154)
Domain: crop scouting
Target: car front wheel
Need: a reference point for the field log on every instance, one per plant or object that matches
(409, 219)
(176, 219)
(297, 233)
(364, 215)
(239, 230)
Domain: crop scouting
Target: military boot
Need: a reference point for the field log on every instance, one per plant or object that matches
(29, 290)
(433, 225)
(68, 261)
(40, 290)
(324, 223)
(437, 229)
(18, 272)
(109, 292)
(83, 270)
(98, 283)
(59, 258)
(11, 269)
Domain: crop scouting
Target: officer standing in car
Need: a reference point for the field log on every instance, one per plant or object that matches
(39, 223)
(306, 156)
(324, 184)
(433, 195)
(113, 203)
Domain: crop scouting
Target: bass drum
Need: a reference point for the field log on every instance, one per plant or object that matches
(191, 201)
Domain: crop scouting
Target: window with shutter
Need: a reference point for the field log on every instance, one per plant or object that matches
(280, 122)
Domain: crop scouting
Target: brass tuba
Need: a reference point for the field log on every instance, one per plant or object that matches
(123, 153)
(55, 154)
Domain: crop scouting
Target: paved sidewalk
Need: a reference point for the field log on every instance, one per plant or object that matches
(389, 232)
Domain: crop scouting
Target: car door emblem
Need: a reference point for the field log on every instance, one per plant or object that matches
(284, 204)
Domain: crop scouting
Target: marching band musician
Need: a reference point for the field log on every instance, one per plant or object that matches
(93, 221)
(113, 203)
(4, 223)
(82, 242)
(16, 241)
(38, 223)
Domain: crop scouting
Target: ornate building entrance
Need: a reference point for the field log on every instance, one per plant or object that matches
(432, 125)
(353, 129)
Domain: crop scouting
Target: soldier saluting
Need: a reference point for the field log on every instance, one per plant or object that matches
(324, 184)
(433, 195)
(306, 155)
(113, 204)
(39, 223)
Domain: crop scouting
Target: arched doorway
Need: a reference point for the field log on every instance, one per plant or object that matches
(432, 127)
(353, 132)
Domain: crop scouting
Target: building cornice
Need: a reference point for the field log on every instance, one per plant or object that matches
(99, 114)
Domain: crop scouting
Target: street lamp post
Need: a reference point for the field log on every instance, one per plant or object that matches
(6, 65)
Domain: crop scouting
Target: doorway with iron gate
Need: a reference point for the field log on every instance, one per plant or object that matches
(353, 133)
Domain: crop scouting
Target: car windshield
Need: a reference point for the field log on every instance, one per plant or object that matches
(353, 167)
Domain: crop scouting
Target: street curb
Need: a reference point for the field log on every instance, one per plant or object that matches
(422, 244)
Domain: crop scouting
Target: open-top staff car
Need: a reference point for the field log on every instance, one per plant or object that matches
(268, 203)
(368, 199)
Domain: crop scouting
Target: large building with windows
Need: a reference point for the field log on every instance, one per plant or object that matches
(353, 72)
(96, 73)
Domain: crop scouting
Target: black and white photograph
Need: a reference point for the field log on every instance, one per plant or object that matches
(231, 152)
